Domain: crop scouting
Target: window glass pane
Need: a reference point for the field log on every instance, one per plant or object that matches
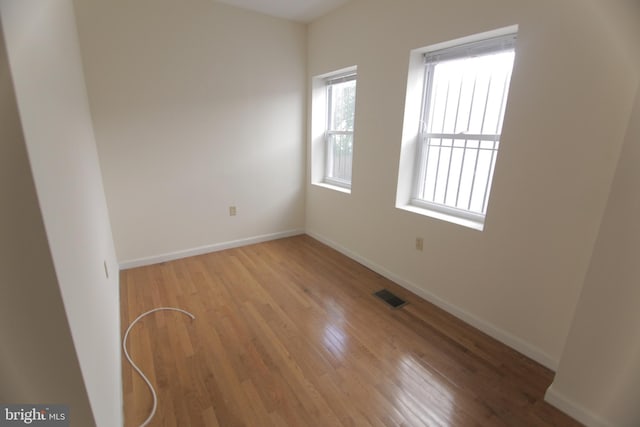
(455, 174)
(464, 96)
(468, 94)
(442, 172)
(466, 179)
(340, 156)
(482, 175)
(342, 101)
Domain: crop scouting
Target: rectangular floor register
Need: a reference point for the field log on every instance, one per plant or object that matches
(391, 299)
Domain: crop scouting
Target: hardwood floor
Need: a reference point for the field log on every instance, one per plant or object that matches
(287, 333)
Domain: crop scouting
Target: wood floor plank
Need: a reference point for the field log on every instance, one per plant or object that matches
(287, 333)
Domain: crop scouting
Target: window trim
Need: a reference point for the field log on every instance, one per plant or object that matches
(318, 126)
(431, 61)
(330, 81)
(409, 164)
(480, 47)
(448, 210)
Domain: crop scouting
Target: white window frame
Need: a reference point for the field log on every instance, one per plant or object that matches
(411, 178)
(329, 133)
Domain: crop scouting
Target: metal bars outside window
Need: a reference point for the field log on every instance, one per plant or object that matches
(463, 110)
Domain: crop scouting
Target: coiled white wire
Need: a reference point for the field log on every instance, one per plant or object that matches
(135, 367)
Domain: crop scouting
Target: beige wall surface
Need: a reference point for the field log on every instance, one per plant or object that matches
(32, 318)
(598, 380)
(197, 106)
(44, 59)
(571, 95)
(599, 374)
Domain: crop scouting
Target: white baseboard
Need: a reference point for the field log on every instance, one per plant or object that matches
(486, 327)
(571, 408)
(140, 262)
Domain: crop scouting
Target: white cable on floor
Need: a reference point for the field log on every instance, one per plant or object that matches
(144, 377)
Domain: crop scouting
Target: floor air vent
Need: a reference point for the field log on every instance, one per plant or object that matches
(390, 299)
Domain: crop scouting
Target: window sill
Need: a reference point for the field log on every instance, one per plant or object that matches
(333, 187)
(475, 225)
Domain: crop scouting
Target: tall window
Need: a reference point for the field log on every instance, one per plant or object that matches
(465, 96)
(341, 105)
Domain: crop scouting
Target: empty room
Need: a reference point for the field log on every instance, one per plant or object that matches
(320, 213)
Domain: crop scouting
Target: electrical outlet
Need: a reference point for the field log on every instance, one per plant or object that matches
(232, 211)
(419, 243)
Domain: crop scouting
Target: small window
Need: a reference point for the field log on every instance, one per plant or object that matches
(341, 105)
(465, 96)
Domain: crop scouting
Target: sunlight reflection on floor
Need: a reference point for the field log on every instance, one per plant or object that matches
(434, 408)
(334, 337)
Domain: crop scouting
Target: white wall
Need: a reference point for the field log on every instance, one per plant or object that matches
(571, 94)
(28, 285)
(44, 59)
(197, 106)
(598, 380)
